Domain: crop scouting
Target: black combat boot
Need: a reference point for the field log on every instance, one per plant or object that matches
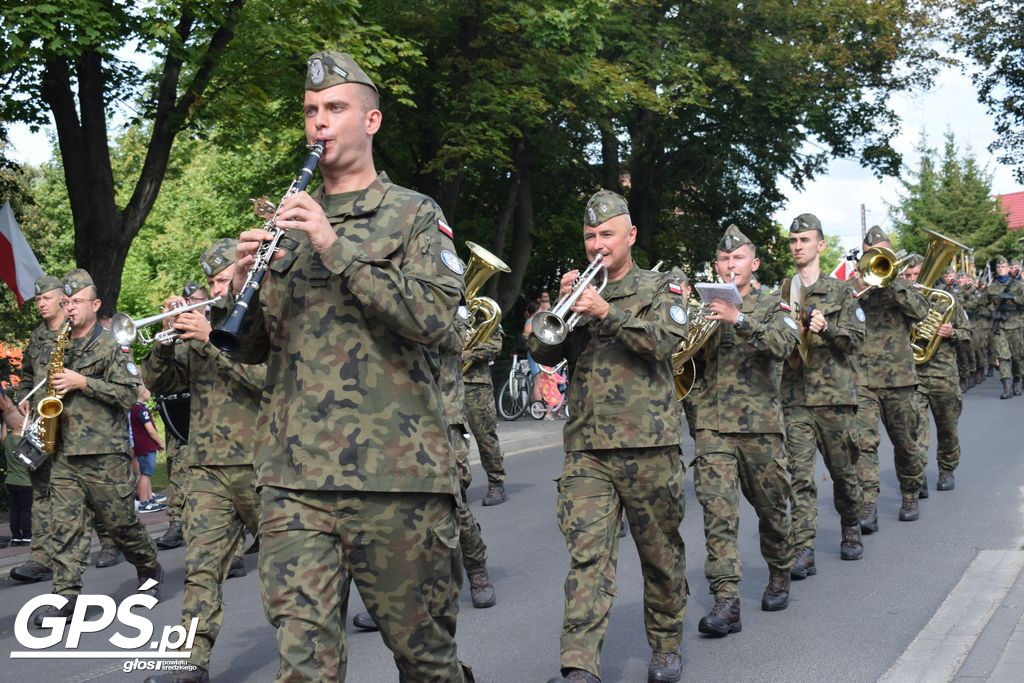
(623, 528)
(723, 619)
(495, 495)
(237, 568)
(776, 595)
(575, 675)
(64, 612)
(481, 590)
(909, 510)
(31, 571)
(196, 675)
(1007, 390)
(869, 518)
(365, 622)
(665, 666)
(108, 557)
(923, 492)
(990, 371)
(979, 376)
(156, 573)
(946, 481)
(851, 547)
(172, 538)
(803, 565)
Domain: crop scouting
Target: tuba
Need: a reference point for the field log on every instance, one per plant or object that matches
(924, 335)
(484, 312)
(40, 436)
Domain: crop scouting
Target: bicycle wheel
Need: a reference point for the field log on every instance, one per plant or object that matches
(538, 410)
(512, 403)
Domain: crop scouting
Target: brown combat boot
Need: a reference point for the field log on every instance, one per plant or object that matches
(776, 595)
(869, 518)
(172, 538)
(108, 557)
(495, 495)
(156, 573)
(946, 481)
(851, 547)
(803, 565)
(665, 666)
(64, 612)
(481, 590)
(909, 510)
(1007, 390)
(723, 619)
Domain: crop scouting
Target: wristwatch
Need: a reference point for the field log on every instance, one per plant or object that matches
(740, 321)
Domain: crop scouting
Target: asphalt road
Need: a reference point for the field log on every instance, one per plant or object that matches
(850, 622)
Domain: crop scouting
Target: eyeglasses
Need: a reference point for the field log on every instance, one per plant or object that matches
(75, 302)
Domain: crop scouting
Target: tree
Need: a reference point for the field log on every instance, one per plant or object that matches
(991, 32)
(952, 195)
(64, 59)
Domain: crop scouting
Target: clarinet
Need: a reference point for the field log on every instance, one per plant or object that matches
(226, 337)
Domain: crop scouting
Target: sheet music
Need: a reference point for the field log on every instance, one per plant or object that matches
(723, 291)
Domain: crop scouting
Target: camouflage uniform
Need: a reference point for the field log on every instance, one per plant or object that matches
(886, 381)
(480, 408)
(740, 439)
(1008, 342)
(353, 460)
(939, 390)
(819, 400)
(981, 330)
(91, 469)
(221, 502)
(622, 453)
(177, 466)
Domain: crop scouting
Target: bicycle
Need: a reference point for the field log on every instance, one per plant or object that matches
(514, 397)
(538, 409)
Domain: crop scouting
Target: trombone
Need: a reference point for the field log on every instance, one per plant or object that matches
(879, 267)
(126, 330)
(552, 327)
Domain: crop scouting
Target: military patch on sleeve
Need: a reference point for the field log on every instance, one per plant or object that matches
(790, 323)
(674, 288)
(678, 314)
(786, 307)
(132, 369)
(443, 227)
(452, 262)
(860, 314)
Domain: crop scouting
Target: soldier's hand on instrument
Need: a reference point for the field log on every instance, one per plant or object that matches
(193, 325)
(724, 311)
(67, 381)
(248, 244)
(590, 303)
(817, 324)
(565, 286)
(945, 330)
(170, 303)
(301, 212)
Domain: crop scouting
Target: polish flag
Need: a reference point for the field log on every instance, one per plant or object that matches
(18, 265)
(845, 270)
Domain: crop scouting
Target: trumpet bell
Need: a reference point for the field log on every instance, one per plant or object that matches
(549, 328)
(123, 328)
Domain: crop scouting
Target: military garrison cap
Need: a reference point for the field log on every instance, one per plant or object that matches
(46, 283)
(1001, 261)
(1015, 262)
(732, 240)
(875, 235)
(603, 206)
(190, 288)
(914, 259)
(805, 222)
(76, 280)
(218, 256)
(329, 68)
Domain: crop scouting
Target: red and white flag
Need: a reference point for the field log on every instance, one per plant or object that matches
(18, 265)
(845, 270)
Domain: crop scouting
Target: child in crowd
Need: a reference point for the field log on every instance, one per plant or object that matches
(146, 442)
(19, 487)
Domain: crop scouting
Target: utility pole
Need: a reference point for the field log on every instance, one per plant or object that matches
(863, 223)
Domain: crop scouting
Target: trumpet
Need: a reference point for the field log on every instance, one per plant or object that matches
(126, 330)
(552, 327)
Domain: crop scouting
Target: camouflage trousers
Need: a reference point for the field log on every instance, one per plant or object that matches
(402, 552)
(756, 465)
(1008, 352)
(942, 396)
(471, 540)
(593, 491)
(482, 417)
(104, 485)
(981, 330)
(177, 474)
(832, 430)
(41, 530)
(1015, 337)
(690, 412)
(897, 408)
(222, 504)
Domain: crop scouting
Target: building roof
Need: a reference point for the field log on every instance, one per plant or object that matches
(1013, 206)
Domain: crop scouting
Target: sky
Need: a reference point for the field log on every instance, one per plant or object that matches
(836, 195)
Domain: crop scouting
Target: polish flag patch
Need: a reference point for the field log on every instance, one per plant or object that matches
(674, 288)
(786, 307)
(443, 227)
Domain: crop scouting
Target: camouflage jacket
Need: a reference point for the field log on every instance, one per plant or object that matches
(943, 363)
(95, 419)
(452, 386)
(827, 377)
(621, 392)
(352, 400)
(983, 307)
(35, 362)
(480, 358)
(1012, 319)
(741, 373)
(225, 397)
(885, 359)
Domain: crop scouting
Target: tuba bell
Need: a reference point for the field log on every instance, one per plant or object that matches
(924, 335)
(484, 312)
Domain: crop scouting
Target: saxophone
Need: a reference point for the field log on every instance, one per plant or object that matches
(44, 429)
